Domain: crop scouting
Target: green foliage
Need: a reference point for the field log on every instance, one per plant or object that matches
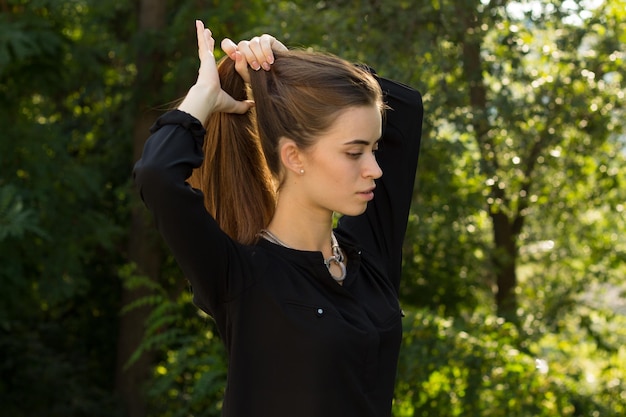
(190, 375)
(553, 75)
(554, 159)
(15, 219)
(482, 366)
(447, 222)
(59, 216)
(72, 79)
(451, 367)
(44, 372)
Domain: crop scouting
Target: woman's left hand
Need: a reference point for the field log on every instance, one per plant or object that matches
(206, 95)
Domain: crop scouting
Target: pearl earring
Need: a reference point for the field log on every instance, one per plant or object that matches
(301, 172)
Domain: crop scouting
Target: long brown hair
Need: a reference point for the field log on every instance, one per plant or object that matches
(299, 98)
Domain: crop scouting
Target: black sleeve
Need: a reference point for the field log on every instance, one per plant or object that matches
(203, 251)
(381, 229)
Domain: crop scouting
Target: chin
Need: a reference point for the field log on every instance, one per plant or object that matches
(353, 212)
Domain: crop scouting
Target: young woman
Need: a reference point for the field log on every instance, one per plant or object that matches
(309, 314)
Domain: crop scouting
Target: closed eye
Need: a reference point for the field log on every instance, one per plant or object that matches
(356, 154)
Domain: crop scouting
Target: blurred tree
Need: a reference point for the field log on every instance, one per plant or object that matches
(519, 97)
(60, 222)
(80, 83)
(520, 202)
(143, 249)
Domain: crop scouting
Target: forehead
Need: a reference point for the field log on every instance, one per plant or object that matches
(356, 123)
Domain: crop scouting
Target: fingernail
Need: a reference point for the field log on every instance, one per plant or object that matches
(266, 66)
(271, 60)
(255, 66)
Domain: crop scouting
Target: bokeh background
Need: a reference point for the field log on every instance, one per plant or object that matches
(515, 255)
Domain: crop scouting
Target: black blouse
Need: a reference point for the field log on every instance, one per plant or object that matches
(299, 344)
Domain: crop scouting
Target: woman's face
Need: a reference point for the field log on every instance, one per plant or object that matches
(340, 168)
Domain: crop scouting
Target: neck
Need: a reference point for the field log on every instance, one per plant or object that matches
(300, 227)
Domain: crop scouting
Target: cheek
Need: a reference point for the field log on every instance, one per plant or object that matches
(343, 172)
(330, 169)
(337, 173)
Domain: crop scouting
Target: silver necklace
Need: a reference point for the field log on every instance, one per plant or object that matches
(337, 257)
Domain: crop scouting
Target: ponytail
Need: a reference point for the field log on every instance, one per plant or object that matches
(237, 185)
(299, 98)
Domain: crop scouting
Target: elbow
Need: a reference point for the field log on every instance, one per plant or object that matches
(144, 173)
(416, 105)
(150, 181)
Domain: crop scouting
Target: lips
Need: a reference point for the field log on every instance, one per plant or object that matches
(368, 194)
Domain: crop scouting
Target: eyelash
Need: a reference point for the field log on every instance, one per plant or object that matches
(356, 155)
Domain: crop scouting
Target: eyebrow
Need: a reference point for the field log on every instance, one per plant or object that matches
(361, 142)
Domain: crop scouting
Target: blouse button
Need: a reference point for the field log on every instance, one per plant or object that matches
(319, 312)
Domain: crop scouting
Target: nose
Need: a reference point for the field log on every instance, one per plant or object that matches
(371, 168)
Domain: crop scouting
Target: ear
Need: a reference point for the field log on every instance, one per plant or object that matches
(291, 156)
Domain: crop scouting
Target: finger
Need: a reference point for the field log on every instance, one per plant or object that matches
(227, 104)
(229, 47)
(207, 73)
(242, 107)
(245, 48)
(208, 39)
(278, 46)
(206, 43)
(265, 44)
(209, 42)
(257, 49)
(241, 66)
(200, 35)
(269, 45)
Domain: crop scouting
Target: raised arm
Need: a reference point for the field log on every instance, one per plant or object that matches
(173, 150)
(382, 227)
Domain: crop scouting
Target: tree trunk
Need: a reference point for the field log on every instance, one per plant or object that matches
(504, 259)
(143, 248)
(504, 255)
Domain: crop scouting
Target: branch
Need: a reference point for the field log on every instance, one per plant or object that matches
(531, 162)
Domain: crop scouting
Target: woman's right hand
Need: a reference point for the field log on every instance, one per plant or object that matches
(206, 95)
(256, 53)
